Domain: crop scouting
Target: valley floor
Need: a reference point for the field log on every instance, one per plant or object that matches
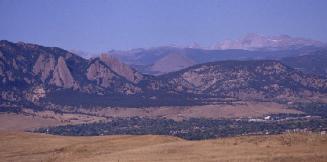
(46, 118)
(29, 147)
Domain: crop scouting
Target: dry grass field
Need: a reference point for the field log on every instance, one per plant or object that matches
(14, 122)
(30, 147)
(22, 122)
(235, 110)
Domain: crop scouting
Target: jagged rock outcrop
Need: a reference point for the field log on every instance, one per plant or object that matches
(105, 77)
(44, 66)
(100, 73)
(121, 69)
(62, 76)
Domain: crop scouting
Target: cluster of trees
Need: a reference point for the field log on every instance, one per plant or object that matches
(72, 98)
(192, 129)
(198, 128)
(315, 109)
(9, 109)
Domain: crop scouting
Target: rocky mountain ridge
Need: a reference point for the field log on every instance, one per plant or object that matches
(47, 75)
(24, 67)
(245, 80)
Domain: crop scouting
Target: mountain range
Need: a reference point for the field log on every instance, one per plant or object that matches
(36, 76)
(252, 47)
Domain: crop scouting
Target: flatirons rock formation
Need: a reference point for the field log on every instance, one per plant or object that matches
(121, 69)
(62, 76)
(27, 66)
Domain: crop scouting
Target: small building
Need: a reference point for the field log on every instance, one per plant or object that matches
(267, 118)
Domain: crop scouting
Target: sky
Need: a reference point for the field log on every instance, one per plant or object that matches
(101, 25)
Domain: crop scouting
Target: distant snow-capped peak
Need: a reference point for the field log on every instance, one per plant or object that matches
(255, 41)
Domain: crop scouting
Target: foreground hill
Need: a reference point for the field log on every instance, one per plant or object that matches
(286, 147)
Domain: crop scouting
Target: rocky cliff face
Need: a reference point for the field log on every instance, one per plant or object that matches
(44, 66)
(62, 76)
(100, 73)
(121, 69)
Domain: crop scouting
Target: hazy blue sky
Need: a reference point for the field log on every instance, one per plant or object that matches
(100, 25)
